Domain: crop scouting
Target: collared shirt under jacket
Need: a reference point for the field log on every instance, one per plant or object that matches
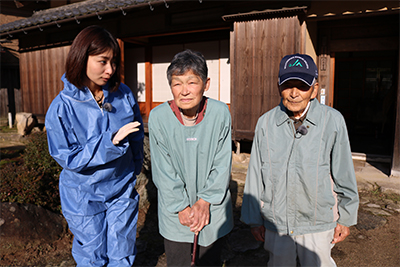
(189, 163)
(298, 184)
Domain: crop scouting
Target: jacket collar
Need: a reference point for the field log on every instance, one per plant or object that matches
(313, 114)
(79, 94)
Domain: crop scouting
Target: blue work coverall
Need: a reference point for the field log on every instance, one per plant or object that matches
(97, 183)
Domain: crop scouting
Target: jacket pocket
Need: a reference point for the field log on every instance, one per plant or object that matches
(267, 193)
(326, 202)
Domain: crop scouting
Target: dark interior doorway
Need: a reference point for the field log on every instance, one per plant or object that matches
(365, 93)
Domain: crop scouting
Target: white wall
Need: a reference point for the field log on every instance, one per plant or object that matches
(225, 73)
(135, 72)
(215, 52)
(162, 56)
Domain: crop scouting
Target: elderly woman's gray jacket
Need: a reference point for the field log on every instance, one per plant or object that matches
(298, 184)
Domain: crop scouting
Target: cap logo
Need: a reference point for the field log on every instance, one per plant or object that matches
(297, 67)
(296, 64)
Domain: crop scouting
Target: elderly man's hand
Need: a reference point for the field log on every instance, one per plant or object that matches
(341, 232)
(258, 232)
(200, 214)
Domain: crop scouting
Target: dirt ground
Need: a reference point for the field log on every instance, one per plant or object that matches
(375, 241)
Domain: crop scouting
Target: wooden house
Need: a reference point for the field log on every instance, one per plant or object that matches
(354, 43)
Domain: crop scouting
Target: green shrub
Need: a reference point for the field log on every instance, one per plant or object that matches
(36, 155)
(34, 179)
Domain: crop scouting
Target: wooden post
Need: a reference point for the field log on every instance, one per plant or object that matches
(121, 47)
(395, 172)
(325, 72)
(332, 80)
(148, 79)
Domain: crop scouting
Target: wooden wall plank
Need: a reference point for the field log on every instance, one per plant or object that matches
(41, 73)
(35, 95)
(3, 102)
(22, 77)
(28, 83)
(258, 47)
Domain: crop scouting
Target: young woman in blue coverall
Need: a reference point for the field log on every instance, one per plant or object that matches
(95, 133)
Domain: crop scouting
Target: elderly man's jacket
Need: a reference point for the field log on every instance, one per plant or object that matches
(298, 184)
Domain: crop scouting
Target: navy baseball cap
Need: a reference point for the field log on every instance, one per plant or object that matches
(298, 67)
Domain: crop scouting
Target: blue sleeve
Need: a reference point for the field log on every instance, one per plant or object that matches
(74, 154)
(136, 139)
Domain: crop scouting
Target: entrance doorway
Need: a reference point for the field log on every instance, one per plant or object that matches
(365, 93)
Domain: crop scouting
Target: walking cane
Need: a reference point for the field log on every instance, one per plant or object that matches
(196, 236)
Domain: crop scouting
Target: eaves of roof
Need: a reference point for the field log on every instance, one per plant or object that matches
(75, 11)
(265, 14)
(291, 11)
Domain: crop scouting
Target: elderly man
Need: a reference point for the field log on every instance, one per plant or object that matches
(300, 195)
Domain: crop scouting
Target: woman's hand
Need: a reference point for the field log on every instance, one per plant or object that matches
(124, 131)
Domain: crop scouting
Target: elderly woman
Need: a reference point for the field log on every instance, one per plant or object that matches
(191, 153)
(94, 132)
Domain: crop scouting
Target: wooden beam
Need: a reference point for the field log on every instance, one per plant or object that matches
(365, 44)
(144, 38)
(137, 40)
